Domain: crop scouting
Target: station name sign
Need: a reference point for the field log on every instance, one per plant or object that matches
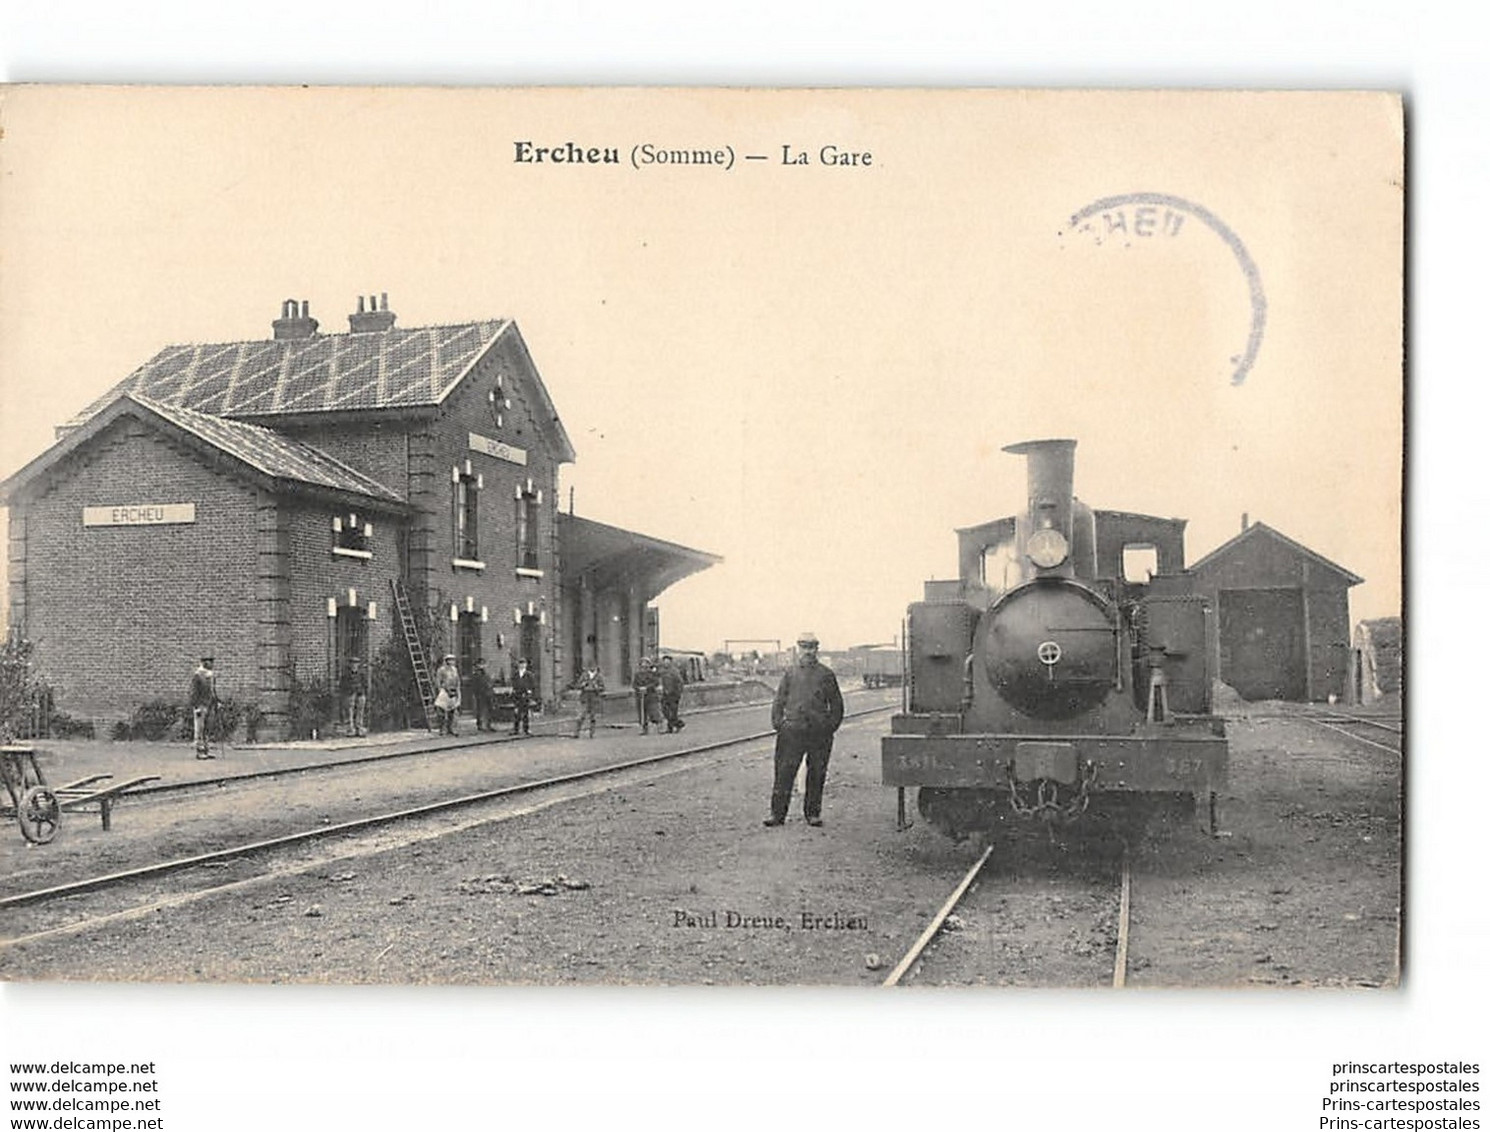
(140, 515)
(496, 448)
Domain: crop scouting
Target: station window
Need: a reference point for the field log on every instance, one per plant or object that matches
(351, 536)
(467, 648)
(498, 403)
(526, 502)
(464, 493)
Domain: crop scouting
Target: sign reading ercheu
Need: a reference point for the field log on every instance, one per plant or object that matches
(496, 448)
(140, 515)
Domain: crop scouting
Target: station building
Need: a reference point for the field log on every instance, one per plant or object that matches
(286, 504)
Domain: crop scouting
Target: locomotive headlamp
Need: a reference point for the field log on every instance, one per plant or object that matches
(1047, 548)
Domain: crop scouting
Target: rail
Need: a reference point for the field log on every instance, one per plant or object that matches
(358, 825)
(918, 949)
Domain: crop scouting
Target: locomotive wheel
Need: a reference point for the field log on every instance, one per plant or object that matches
(39, 815)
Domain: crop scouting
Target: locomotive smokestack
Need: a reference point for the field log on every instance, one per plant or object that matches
(1051, 466)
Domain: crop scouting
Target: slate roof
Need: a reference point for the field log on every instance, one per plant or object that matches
(272, 455)
(270, 452)
(396, 368)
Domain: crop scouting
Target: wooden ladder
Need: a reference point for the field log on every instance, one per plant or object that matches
(417, 661)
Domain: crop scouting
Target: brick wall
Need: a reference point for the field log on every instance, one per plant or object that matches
(316, 575)
(120, 614)
(1329, 635)
(498, 586)
(377, 448)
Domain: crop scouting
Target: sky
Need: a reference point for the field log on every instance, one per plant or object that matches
(809, 369)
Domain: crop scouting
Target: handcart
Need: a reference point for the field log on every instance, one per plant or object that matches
(38, 807)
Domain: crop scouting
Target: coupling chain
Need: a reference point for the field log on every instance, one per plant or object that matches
(1046, 803)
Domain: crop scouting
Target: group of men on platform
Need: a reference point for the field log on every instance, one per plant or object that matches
(806, 711)
(524, 688)
(659, 694)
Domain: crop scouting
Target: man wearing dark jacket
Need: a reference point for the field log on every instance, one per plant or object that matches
(646, 684)
(807, 710)
(671, 681)
(524, 695)
(481, 692)
(202, 697)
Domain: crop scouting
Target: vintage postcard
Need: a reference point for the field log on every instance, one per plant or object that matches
(702, 537)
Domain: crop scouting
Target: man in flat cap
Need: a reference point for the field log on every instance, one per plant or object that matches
(447, 693)
(646, 683)
(524, 696)
(807, 710)
(201, 696)
(671, 682)
(482, 696)
(354, 695)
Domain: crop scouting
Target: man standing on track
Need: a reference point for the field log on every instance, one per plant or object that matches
(202, 697)
(672, 694)
(806, 711)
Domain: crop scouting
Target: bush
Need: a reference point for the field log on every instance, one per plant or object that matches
(17, 692)
(64, 726)
(393, 696)
(159, 719)
(312, 706)
(253, 715)
(27, 705)
(223, 720)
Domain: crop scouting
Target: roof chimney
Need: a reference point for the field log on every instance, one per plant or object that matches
(1245, 523)
(294, 320)
(370, 316)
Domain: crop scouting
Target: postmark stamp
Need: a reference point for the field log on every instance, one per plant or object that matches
(1163, 216)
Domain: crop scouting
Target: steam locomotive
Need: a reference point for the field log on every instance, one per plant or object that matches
(1066, 672)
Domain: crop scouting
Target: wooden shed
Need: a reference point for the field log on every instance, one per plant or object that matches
(1283, 615)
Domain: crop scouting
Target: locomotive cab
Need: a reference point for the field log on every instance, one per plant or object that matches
(1055, 678)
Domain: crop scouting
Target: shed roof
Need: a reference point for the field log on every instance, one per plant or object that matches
(1262, 530)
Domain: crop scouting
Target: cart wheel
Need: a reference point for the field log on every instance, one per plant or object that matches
(39, 815)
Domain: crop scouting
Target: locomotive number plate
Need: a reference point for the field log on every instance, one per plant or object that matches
(1045, 760)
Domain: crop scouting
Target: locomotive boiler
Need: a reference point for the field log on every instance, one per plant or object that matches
(1066, 673)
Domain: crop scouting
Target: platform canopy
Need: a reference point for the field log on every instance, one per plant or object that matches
(611, 558)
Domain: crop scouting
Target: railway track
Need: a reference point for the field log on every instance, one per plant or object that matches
(236, 778)
(516, 800)
(1382, 733)
(911, 963)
